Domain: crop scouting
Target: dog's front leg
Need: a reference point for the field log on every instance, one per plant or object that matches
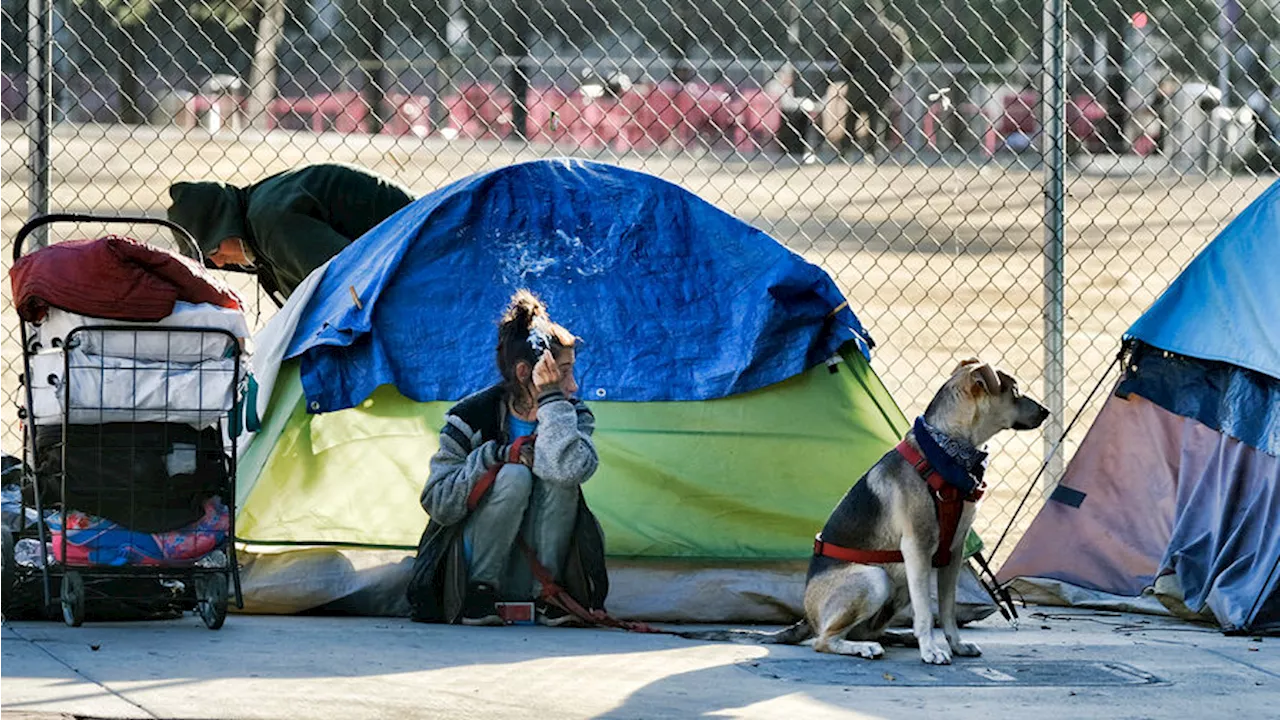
(947, 578)
(918, 565)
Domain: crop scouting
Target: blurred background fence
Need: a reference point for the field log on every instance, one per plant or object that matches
(1006, 178)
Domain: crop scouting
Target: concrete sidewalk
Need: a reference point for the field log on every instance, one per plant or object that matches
(1060, 664)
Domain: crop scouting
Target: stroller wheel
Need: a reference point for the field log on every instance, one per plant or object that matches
(8, 569)
(72, 598)
(211, 599)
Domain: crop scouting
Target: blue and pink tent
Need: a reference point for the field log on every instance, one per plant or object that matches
(1175, 490)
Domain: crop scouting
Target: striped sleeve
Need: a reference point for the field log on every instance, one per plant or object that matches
(455, 468)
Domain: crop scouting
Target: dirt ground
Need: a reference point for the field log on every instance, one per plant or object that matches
(939, 262)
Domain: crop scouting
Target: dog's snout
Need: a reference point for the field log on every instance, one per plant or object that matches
(1031, 414)
(1042, 414)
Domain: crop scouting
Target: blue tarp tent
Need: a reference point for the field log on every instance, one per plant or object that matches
(685, 320)
(1177, 484)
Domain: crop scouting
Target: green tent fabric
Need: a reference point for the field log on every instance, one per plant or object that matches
(747, 477)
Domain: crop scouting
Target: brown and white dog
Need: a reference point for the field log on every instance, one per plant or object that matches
(907, 516)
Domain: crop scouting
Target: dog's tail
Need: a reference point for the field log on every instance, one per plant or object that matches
(792, 635)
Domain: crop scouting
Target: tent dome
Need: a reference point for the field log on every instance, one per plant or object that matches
(675, 299)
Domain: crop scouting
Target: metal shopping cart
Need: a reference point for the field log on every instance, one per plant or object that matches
(128, 478)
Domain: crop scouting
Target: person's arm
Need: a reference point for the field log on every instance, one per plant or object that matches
(295, 243)
(564, 452)
(455, 469)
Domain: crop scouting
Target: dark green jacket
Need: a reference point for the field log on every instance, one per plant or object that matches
(292, 222)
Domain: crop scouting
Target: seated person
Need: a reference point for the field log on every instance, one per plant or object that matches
(531, 439)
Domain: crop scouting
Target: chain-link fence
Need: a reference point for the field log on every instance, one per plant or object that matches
(904, 148)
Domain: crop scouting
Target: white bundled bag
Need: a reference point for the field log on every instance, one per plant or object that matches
(161, 345)
(105, 389)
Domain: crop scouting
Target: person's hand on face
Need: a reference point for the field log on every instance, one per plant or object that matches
(546, 374)
(555, 372)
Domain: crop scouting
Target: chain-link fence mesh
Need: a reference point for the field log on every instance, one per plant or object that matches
(900, 147)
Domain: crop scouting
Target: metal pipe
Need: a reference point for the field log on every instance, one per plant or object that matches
(453, 44)
(1228, 10)
(1053, 148)
(39, 109)
(515, 49)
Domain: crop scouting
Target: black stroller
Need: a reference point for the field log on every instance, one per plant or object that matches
(127, 477)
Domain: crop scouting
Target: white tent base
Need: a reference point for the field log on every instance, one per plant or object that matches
(372, 582)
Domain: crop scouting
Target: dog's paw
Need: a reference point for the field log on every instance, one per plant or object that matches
(935, 655)
(965, 649)
(869, 650)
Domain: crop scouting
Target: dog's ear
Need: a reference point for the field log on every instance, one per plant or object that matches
(964, 364)
(1006, 380)
(983, 378)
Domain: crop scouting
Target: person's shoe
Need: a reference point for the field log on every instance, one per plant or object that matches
(555, 616)
(479, 606)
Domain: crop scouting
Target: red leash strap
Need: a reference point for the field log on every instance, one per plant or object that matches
(950, 506)
(558, 596)
(482, 487)
(513, 455)
(552, 593)
(850, 555)
(485, 483)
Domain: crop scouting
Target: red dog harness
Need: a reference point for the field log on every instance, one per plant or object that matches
(947, 500)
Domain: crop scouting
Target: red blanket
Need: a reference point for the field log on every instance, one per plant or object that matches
(112, 277)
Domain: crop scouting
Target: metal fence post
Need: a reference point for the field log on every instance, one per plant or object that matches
(40, 108)
(1227, 10)
(515, 49)
(1054, 144)
(455, 40)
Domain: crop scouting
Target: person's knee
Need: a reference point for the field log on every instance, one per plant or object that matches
(555, 511)
(513, 486)
(556, 497)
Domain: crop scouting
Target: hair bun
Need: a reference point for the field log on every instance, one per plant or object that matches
(523, 309)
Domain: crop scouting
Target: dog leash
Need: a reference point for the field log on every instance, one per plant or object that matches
(1118, 361)
(555, 595)
(998, 591)
(552, 592)
(486, 481)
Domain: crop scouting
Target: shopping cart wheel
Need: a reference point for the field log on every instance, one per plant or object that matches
(72, 598)
(8, 568)
(211, 599)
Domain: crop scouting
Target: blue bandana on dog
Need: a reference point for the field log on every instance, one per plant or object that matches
(958, 462)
